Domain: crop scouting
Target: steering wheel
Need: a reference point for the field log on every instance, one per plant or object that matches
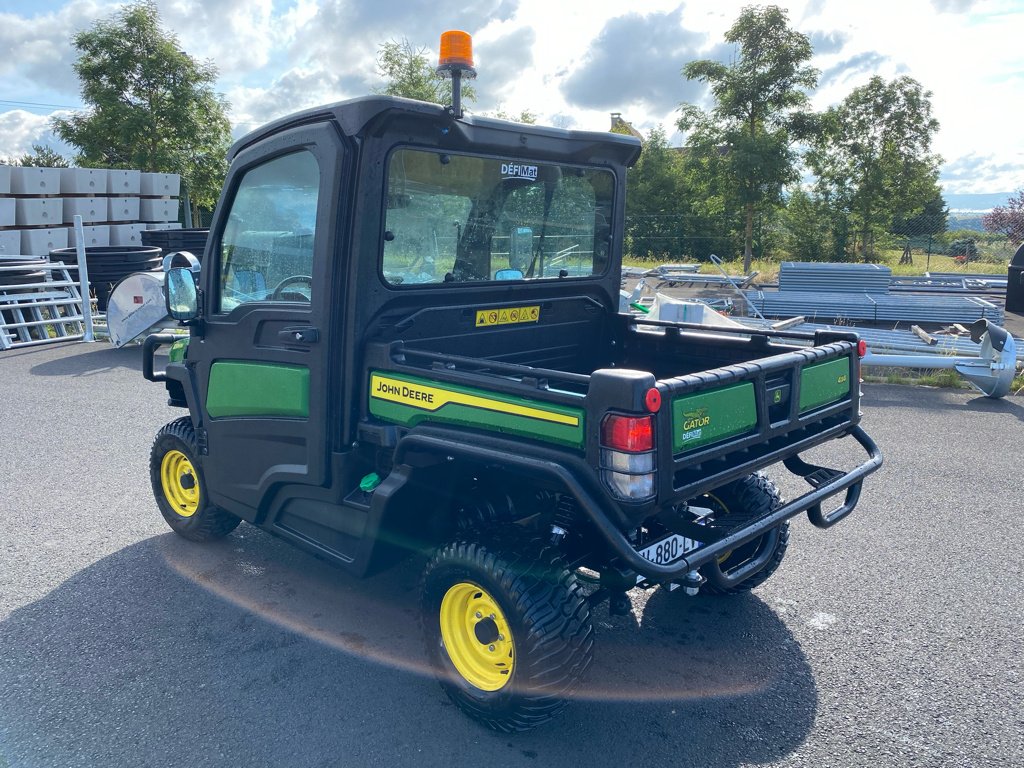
(281, 292)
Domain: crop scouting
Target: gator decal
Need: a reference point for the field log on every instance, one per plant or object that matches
(257, 389)
(824, 383)
(707, 417)
(409, 400)
(507, 316)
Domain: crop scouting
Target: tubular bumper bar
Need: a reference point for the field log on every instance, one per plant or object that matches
(826, 483)
(149, 348)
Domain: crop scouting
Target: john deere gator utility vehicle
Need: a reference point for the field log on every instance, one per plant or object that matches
(405, 338)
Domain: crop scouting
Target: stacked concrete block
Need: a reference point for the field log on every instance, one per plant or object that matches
(83, 181)
(35, 181)
(121, 209)
(126, 234)
(10, 242)
(6, 211)
(160, 185)
(94, 235)
(38, 211)
(91, 209)
(38, 242)
(38, 206)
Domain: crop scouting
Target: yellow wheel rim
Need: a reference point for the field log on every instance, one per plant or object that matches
(180, 484)
(477, 637)
(722, 510)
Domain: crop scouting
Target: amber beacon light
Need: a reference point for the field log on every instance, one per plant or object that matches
(456, 62)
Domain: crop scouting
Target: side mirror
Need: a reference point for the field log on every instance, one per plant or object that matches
(520, 254)
(182, 297)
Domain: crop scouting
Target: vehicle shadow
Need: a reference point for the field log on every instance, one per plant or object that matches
(248, 652)
(100, 360)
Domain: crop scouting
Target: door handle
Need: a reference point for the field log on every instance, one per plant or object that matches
(304, 334)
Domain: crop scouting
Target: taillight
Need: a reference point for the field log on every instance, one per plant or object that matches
(862, 348)
(627, 433)
(627, 456)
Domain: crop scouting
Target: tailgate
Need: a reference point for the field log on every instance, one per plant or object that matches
(725, 423)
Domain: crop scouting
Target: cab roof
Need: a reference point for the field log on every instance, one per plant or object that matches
(356, 117)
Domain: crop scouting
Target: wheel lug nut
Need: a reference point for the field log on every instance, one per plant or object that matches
(490, 647)
(479, 615)
(501, 638)
(492, 617)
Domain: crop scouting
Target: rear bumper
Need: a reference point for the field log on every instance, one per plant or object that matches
(825, 483)
(580, 482)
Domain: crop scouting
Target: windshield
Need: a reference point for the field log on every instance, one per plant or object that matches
(460, 218)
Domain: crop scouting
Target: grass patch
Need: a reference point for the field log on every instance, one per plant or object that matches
(768, 269)
(943, 378)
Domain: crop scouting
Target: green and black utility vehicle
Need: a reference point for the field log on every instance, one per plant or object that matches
(405, 338)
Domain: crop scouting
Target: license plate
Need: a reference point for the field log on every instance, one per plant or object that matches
(669, 549)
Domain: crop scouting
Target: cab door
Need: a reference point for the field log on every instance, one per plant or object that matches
(262, 356)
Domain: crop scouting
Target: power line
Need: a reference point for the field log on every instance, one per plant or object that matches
(11, 103)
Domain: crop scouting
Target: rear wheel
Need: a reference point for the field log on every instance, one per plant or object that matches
(748, 499)
(179, 488)
(508, 633)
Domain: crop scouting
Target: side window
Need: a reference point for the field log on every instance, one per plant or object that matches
(266, 251)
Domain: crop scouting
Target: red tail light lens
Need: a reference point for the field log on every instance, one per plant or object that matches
(862, 348)
(627, 433)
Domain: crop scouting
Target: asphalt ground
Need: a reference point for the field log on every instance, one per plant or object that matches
(893, 639)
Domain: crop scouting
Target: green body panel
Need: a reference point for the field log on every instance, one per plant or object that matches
(477, 408)
(824, 383)
(707, 417)
(258, 389)
(177, 352)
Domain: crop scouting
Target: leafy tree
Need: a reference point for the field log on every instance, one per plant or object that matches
(872, 155)
(410, 72)
(756, 98)
(43, 157)
(150, 105)
(929, 220)
(1007, 219)
(524, 116)
(655, 200)
(806, 234)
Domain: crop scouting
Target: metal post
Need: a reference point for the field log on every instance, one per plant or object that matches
(187, 205)
(83, 279)
(718, 262)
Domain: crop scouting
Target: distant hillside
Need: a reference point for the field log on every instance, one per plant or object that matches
(982, 203)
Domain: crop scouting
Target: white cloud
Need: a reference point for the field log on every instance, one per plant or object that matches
(19, 130)
(562, 61)
(38, 50)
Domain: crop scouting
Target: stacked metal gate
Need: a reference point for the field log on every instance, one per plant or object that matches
(40, 302)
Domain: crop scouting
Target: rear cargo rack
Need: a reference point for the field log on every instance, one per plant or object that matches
(818, 337)
(539, 378)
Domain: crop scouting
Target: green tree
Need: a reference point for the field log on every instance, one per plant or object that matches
(806, 234)
(929, 219)
(524, 116)
(43, 157)
(872, 155)
(656, 201)
(756, 98)
(150, 106)
(410, 72)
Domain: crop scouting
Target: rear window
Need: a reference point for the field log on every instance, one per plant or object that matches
(461, 218)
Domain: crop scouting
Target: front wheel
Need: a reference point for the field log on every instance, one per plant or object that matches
(179, 487)
(508, 634)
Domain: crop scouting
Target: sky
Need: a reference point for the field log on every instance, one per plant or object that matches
(570, 62)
